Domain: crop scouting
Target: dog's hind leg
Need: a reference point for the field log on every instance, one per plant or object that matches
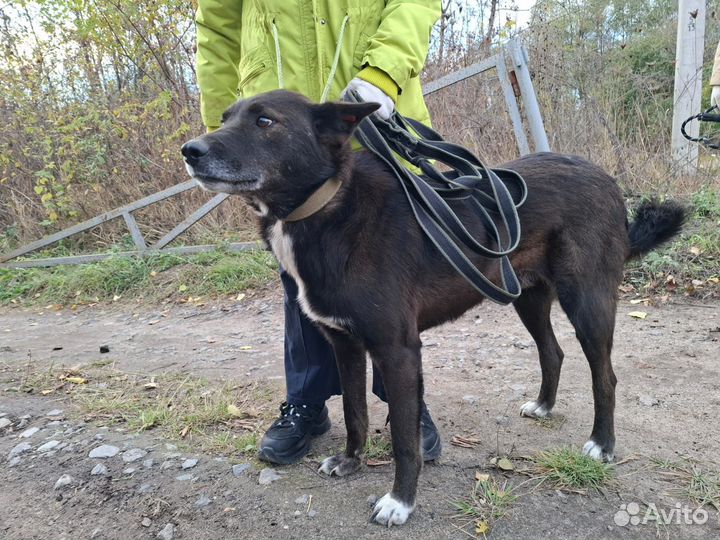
(351, 362)
(591, 310)
(533, 307)
(401, 372)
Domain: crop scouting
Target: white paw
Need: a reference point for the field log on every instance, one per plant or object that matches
(328, 466)
(533, 409)
(389, 511)
(595, 451)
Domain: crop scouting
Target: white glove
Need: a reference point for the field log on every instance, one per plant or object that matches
(715, 96)
(371, 93)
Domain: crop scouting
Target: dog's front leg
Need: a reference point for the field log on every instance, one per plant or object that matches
(350, 355)
(402, 376)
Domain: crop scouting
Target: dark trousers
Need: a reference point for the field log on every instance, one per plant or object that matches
(311, 373)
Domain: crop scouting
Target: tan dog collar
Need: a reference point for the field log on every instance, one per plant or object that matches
(316, 201)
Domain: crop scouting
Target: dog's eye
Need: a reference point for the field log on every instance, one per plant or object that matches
(263, 121)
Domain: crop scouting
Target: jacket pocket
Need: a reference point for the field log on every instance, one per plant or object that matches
(362, 44)
(252, 65)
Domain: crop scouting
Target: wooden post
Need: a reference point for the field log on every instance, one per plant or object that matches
(688, 81)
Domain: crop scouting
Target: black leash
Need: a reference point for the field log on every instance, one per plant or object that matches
(702, 117)
(469, 179)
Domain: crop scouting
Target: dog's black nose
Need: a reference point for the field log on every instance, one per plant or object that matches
(194, 150)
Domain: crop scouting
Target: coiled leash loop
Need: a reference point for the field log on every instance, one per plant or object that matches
(468, 179)
(702, 117)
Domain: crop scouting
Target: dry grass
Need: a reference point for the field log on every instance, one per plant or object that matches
(223, 417)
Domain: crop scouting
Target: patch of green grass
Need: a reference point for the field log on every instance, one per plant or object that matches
(569, 468)
(378, 447)
(213, 273)
(706, 203)
(488, 502)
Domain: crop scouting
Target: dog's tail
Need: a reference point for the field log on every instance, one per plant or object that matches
(654, 223)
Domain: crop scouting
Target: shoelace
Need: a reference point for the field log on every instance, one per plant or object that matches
(288, 411)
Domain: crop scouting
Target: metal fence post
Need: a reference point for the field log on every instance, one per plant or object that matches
(518, 54)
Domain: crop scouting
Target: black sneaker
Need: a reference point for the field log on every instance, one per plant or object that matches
(288, 438)
(431, 446)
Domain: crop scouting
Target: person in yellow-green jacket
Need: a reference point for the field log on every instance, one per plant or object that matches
(319, 48)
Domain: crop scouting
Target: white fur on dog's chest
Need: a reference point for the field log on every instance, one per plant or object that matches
(282, 246)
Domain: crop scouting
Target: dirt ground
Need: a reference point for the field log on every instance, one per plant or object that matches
(478, 371)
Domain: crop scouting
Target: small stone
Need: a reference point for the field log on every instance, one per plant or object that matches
(470, 399)
(14, 461)
(53, 423)
(170, 447)
(167, 465)
(29, 432)
(148, 463)
(268, 476)
(64, 481)
(648, 401)
(189, 463)
(371, 500)
(146, 522)
(96, 532)
(19, 449)
(99, 437)
(168, 532)
(240, 468)
(184, 477)
(297, 513)
(99, 470)
(312, 513)
(133, 455)
(144, 488)
(50, 445)
(55, 412)
(129, 470)
(202, 501)
(104, 349)
(4, 422)
(104, 451)
(302, 499)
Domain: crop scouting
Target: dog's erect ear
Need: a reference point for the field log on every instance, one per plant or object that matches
(340, 119)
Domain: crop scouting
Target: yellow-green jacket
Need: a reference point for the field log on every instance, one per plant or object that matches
(245, 47)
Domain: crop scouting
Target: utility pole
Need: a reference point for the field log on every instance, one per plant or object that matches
(688, 81)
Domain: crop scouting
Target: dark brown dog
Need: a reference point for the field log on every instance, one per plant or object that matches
(373, 282)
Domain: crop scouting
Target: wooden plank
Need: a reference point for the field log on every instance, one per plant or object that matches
(189, 221)
(512, 107)
(460, 75)
(98, 220)
(95, 257)
(135, 231)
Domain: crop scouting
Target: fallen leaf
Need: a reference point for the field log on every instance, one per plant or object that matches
(638, 314)
(640, 301)
(378, 462)
(481, 527)
(234, 410)
(153, 273)
(245, 347)
(76, 380)
(504, 464)
(46, 392)
(184, 432)
(464, 442)
(154, 321)
(481, 477)
(695, 250)
(151, 385)
(116, 297)
(240, 296)
(182, 288)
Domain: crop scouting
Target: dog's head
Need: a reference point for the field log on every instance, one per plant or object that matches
(276, 147)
